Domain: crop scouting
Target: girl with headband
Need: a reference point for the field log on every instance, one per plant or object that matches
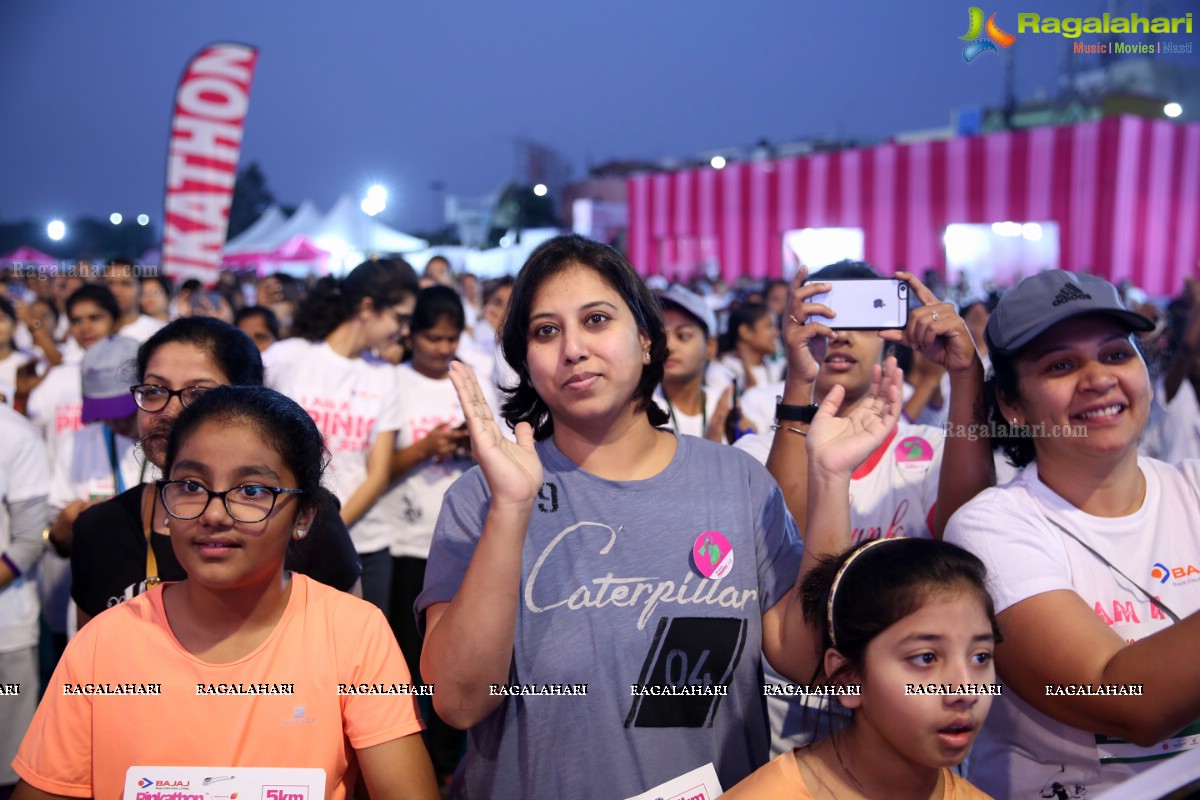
(894, 612)
(908, 637)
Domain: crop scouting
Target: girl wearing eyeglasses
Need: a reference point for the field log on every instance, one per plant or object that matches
(331, 369)
(120, 546)
(243, 468)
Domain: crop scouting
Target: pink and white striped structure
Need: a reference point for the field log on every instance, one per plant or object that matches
(1125, 192)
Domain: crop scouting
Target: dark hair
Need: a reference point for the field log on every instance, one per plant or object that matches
(1003, 385)
(746, 314)
(95, 293)
(280, 421)
(553, 256)
(6, 308)
(969, 304)
(268, 317)
(162, 281)
(385, 282)
(435, 303)
(49, 304)
(118, 261)
(845, 270)
(494, 285)
(228, 347)
(882, 587)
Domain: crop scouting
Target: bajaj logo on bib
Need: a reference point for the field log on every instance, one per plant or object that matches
(1185, 572)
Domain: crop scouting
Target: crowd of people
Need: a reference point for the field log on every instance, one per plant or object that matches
(576, 534)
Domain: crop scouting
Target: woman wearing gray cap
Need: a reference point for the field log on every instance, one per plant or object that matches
(1093, 552)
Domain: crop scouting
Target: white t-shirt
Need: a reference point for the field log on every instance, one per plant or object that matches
(141, 328)
(71, 351)
(411, 506)
(758, 405)
(689, 424)
(56, 406)
(483, 333)
(1020, 750)
(352, 400)
(1173, 432)
(480, 359)
(24, 475)
(930, 415)
(768, 372)
(894, 492)
(83, 468)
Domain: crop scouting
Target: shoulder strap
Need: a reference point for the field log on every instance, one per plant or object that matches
(1160, 605)
(152, 577)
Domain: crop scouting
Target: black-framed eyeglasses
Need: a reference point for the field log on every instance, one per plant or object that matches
(251, 502)
(152, 397)
(403, 320)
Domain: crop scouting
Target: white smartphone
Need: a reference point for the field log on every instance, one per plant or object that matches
(871, 304)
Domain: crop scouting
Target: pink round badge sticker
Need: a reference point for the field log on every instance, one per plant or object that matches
(713, 555)
(914, 453)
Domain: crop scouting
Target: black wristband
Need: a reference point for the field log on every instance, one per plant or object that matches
(784, 412)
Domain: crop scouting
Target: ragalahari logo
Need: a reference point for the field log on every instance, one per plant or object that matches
(995, 36)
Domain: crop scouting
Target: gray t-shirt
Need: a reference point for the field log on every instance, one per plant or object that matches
(611, 596)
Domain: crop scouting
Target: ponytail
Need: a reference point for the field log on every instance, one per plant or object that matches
(321, 310)
(745, 314)
(385, 282)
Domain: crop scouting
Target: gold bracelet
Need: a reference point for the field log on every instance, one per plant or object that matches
(55, 546)
(789, 428)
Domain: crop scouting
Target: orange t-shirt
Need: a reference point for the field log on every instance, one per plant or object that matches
(81, 745)
(781, 780)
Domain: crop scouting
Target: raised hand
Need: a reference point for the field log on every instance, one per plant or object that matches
(838, 445)
(804, 337)
(935, 330)
(513, 470)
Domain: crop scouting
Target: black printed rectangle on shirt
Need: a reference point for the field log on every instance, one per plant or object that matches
(687, 651)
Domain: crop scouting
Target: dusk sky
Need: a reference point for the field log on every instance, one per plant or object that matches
(408, 93)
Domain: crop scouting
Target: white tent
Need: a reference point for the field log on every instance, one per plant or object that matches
(251, 240)
(350, 236)
(300, 223)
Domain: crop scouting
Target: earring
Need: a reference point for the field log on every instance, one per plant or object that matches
(300, 533)
(166, 522)
(646, 356)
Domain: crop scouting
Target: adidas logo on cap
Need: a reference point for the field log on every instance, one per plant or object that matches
(1068, 293)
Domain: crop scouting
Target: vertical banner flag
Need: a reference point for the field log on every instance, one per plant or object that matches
(206, 139)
